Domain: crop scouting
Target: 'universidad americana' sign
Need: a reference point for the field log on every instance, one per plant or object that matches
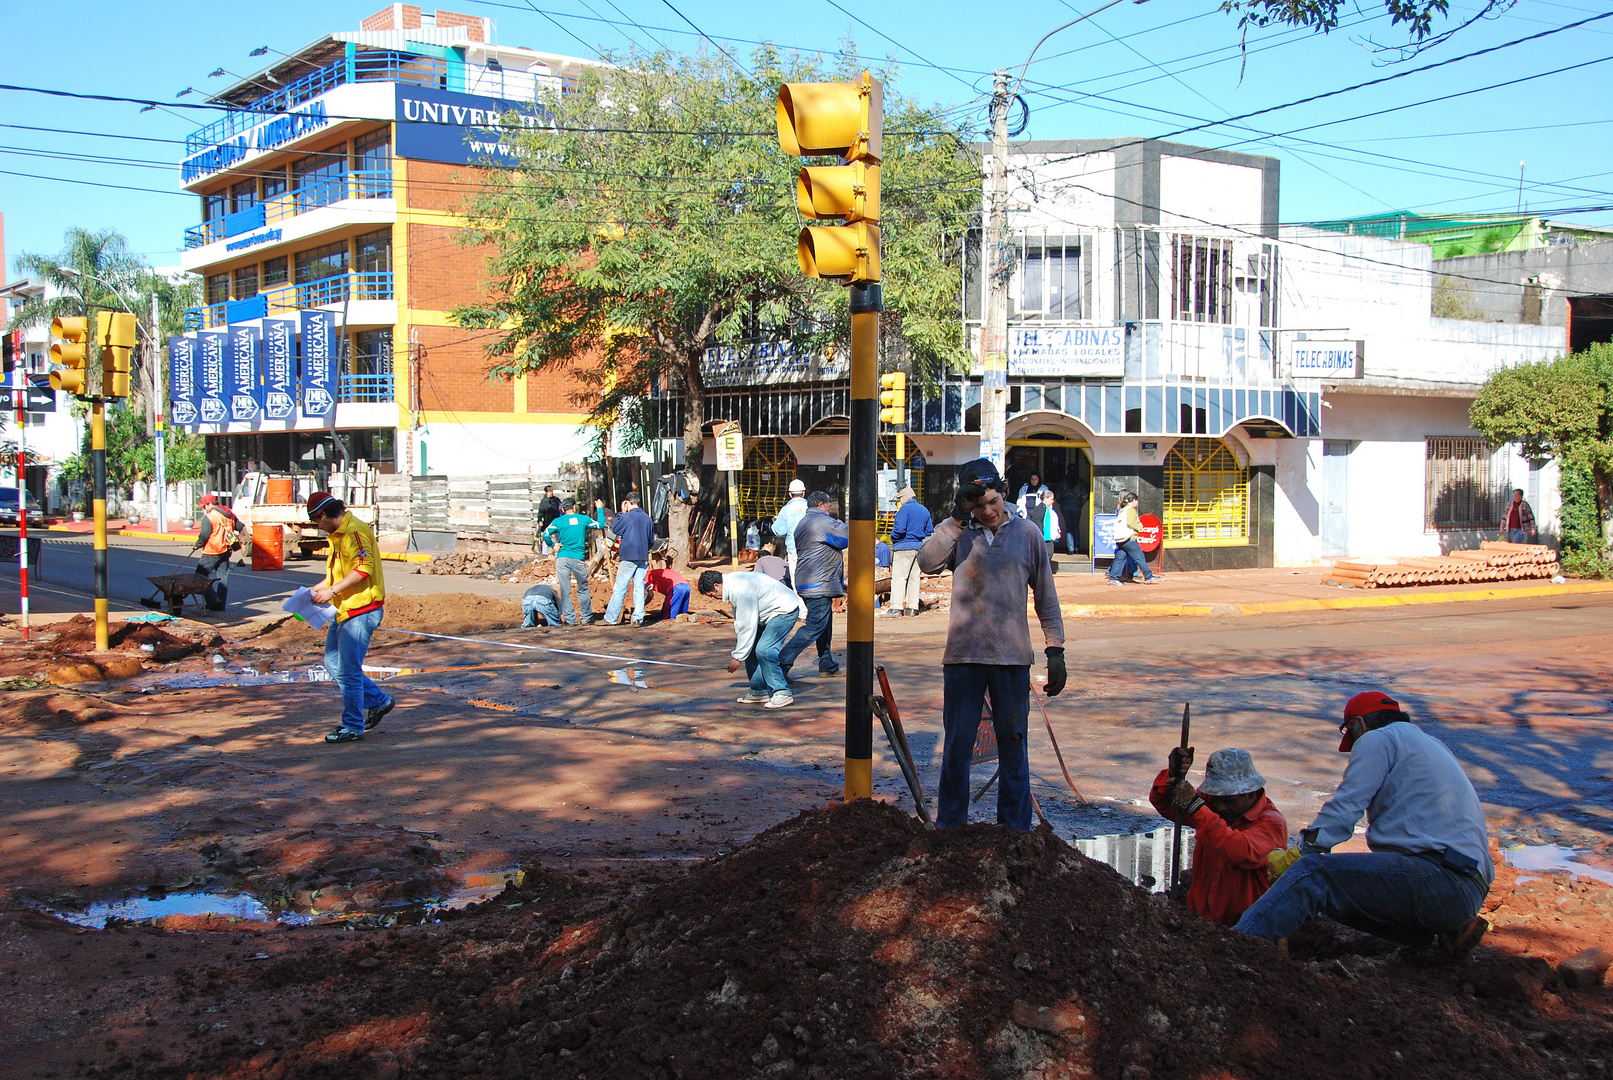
(182, 409)
(461, 129)
(319, 361)
(279, 368)
(210, 346)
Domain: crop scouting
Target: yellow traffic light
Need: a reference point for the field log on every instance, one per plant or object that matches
(893, 398)
(115, 333)
(844, 120)
(69, 353)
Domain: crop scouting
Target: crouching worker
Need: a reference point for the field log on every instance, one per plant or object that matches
(540, 606)
(1429, 867)
(1235, 826)
(354, 584)
(765, 612)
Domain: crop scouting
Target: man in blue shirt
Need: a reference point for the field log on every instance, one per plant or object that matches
(788, 518)
(635, 532)
(819, 578)
(912, 527)
(569, 533)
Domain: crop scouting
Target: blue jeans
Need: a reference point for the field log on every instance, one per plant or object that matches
(1403, 898)
(1129, 551)
(346, 642)
(565, 570)
(534, 607)
(762, 665)
(218, 592)
(1517, 536)
(964, 697)
(677, 602)
(627, 571)
(818, 628)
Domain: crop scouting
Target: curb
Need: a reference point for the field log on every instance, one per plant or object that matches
(145, 535)
(1376, 599)
(407, 556)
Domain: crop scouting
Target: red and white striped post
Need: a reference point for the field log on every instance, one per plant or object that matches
(21, 401)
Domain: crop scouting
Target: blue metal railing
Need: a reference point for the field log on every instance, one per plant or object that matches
(288, 298)
(365, 388)
(358, 184)
(367, 67)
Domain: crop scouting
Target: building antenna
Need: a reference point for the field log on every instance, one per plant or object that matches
(1520, 187)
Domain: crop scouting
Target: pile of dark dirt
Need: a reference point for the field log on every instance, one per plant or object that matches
(77, 635)
(851, 942)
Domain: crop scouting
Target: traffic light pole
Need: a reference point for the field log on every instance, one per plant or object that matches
(867, 301)
(98, 456)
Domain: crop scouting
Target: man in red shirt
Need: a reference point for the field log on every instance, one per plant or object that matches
(1236, 827)
(672, 585)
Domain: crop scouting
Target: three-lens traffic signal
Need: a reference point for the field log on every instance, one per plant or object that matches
(69, 354)
(114, 332)
(893, 398)
(844, 120)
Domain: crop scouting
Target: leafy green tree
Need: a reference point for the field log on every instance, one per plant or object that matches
(1561, 409)
(1417, 16)
(656, 219)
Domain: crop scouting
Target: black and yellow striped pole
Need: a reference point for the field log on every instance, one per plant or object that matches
(98, 459)
(845, 120)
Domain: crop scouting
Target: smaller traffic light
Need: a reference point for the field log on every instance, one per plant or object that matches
(114, 332)
(68, 354)
(893, 398)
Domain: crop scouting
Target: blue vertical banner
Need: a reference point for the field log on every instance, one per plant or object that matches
(279, 369)
(319, 362)
(182, 410)
(243, 390)
(210, 347)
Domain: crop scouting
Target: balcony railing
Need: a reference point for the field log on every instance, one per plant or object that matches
(365, 388)
(364, 67)
(290, 298)
(358, 184)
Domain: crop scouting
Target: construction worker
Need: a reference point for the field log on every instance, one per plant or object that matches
(764, 613)
(1235, 828)
(819, 575)
(353, 582)
(635, 532)
(218, 539)
(994, 558)
(674, 589)
(788, 518)
(568, 534)
(540, 606)
(1429, 867)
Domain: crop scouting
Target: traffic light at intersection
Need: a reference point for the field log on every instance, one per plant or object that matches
(893, 398)
(114, 332)
(844, 120)
(69, 354)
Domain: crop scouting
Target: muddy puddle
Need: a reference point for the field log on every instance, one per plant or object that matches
(220, 679)
(1142, 858)
(477, 888)
(1546, 858)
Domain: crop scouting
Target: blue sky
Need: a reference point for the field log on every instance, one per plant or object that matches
(1136, 70)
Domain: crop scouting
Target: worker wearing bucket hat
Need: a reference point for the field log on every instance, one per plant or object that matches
(1235, 828)
(1429, 867)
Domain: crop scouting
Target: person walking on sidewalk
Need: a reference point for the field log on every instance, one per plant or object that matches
(635, 532)
(1128, 553)
(218, 539)
(353, 582)
(1429, 867)
(993, 558)
(788, 518)
(568, 533)
(819, 576)
(540, 606)
(912, 527)
(764, 612)
(1045, 516)
(1518, 523)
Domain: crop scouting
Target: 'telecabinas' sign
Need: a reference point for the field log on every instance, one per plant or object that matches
(1327, 359)
(241, 374)
(210, 347)
(319, 362)
(279, 369)
(182, 409)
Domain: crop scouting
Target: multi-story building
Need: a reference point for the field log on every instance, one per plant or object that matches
(329, 244)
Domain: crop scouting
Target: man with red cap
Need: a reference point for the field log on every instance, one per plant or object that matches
(1428, 870)
(217, 540)
(354, 584)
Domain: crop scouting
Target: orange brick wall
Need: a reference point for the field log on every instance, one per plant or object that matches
(452, 373)
(435, 186)
(387, 18)
(443, 273)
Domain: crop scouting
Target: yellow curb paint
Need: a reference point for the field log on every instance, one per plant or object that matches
(406, 556)
(156, 535)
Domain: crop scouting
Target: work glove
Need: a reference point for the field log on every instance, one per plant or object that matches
(1056, 675)
(1181, 761)
(964, 502)
(1187, 798)
(1280, 860)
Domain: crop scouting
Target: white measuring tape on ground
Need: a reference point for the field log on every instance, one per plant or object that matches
(540, 648)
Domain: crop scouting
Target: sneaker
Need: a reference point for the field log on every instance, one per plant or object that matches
(1117, 581)
(345, 734)
(753, 698)
(832, 673)
(1154, 580)
(781, 700)
(375, 715)
(638, 622)
(1457, 946)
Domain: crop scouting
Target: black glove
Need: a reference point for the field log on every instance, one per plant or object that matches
(1056, 675)
(1180, 761)
(965, 501)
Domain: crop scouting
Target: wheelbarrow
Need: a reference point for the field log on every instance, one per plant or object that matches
(174, 588)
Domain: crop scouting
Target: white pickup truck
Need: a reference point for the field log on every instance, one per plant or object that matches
(250, 509)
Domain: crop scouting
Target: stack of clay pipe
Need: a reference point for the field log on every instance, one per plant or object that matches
(1494, 561)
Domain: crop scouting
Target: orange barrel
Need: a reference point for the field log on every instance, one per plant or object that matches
(281, 490)
(268, 547)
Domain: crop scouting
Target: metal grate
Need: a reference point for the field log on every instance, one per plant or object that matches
(1463, 487)
(764, 482)
(1206, 492)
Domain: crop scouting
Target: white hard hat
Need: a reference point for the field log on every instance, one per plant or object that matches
(797, 487)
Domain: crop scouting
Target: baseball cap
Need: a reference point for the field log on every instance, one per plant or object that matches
(209, 500)
(797, 487)
(1365, 703)
(980, 471)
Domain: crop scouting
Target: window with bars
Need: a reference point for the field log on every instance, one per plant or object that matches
(764, 482)
(246, 282)
(1202, 279)
(1465, 487)
(1206, 493)
(218, 288)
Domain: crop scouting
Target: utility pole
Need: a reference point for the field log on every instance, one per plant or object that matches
(999, 264)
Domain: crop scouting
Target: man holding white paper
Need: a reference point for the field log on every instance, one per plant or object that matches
(353, 583)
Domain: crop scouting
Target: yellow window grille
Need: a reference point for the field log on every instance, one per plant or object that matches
(885, 520)
(1206, 492)
(764, 482)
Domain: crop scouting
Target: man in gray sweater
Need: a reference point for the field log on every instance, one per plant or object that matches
(994, 558)
(765, 611)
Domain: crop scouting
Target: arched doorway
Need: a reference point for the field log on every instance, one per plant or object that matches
(764, 482)
(887, 485)
(1065, 466)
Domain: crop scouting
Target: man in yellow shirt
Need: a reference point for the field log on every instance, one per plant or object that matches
(353, 583)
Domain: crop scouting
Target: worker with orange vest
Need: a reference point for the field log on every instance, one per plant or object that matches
(219, 536)
(353, 584)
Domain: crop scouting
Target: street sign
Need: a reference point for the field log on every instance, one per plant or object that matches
(730, 448)
(33, 399)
